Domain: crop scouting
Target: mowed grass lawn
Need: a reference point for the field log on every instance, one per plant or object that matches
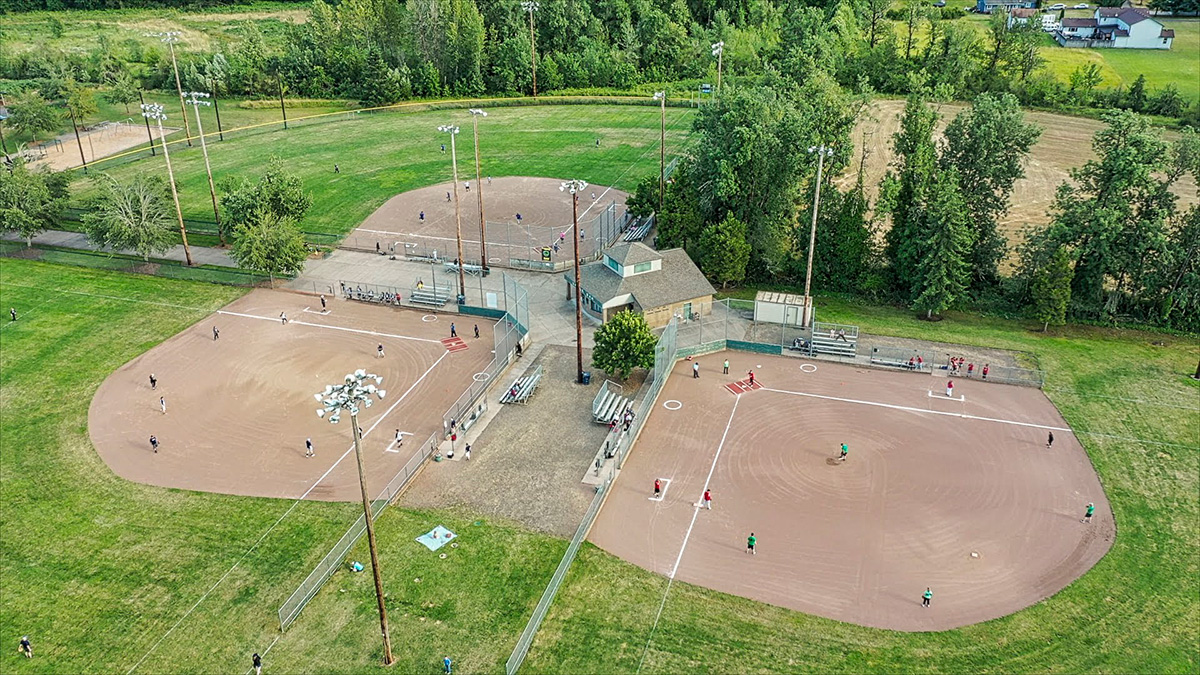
(102, 573)
(1135, 612)
(381, 155)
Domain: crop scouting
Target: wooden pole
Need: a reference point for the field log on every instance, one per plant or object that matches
(483, 259)
(533, 52)
(179, 88)
(282, 108)
(362, 484)
(462, 279)
(80, 143)
(187, 251)
(212, 189)
(149, 134)
(578, 291)
(217, 109)
(812, 240)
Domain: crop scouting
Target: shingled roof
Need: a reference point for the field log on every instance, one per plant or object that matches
(679, 280)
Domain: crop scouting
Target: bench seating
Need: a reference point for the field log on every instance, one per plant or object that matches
(468, 267)
(524, 386)
(429, 296)
(638, 230)
(610, 408)
(823, 344)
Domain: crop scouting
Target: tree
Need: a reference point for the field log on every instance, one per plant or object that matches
(122, 90)
(32, 115)
(906, 189)
(1135, 99)
(279, 193)
(136, 215)
(31, 201)
(1083, 82)
(1051, 290)
(266, 243)
(943, 270)
(724, 252)
(377, 86)
(987, 144)
(624, 343)
(644, 199)
(80, 103)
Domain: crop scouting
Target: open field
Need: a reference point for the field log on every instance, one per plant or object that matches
(382, 155)
(958, 495)
(1134, 612)
(1065, 143)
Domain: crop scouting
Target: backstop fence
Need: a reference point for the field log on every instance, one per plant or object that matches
(511, 329)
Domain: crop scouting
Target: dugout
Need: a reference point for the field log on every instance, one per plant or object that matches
(633, 276)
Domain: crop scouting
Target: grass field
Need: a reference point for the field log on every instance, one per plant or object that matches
(381, 155)
(1136, 611)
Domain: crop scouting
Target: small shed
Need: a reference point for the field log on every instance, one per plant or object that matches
(784, 308)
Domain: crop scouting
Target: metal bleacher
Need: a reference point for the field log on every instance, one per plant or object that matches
(522, 388)
(452, 266)
(638, 229)
(609, 403)
(835, 339)
(434, 296)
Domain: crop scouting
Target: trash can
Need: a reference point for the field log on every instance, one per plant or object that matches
(587, 377)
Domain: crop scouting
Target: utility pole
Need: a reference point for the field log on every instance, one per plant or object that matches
(171, 37)
(531, 6)
(821, 151)
(155, 111)
(348, 397)
(462, 279)
(661, 97)
(217, 110)
(194, 99)
(282, 108)
(718, 50)
(476, 113)
(575, 187)
(149, 134)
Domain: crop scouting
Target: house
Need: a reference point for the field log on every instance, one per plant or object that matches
(658, 284)
(988, 6)
(1050, 22)
(1117, 28)
(1019, 16)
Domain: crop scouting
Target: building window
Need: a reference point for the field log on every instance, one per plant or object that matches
(612, 264)
(641, 267)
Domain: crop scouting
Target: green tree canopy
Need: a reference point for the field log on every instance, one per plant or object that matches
(944, 268)
(724, 251)
(624, 343)
(1051, 290)
(279, 193)
(135, 215)
(33, 115)
(31, 201)
(267, 243)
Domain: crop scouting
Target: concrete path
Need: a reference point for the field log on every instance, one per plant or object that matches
(201, 255)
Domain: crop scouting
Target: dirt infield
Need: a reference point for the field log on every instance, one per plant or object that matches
(545, 217)
(975, 507)
(240, 408)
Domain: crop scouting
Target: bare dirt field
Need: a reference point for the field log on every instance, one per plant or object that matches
(545, 220)
(107, 139)
(240, 408)
(1065, 143)
(962, 497)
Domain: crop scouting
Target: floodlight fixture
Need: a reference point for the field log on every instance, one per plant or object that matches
(717, 48)
(573, 186)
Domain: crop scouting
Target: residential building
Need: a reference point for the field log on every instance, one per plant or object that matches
(989, 6)
(1117, 28)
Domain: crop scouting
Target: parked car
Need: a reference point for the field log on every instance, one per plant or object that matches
(1082, 5)
(940, 3)
(1056, 6)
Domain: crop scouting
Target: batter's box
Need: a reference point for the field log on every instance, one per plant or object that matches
(454, 344)
(742, 386)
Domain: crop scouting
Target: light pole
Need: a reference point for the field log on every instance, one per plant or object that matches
(142, 100)
(348, 397)
(575, 187)
(531, 6)
(195, 98)
(822, 152)
(155, 112)
(718, 50)
(661, 97)
(476, 113)
(171, 37)
(462, 279)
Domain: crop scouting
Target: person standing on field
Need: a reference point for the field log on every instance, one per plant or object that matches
(726, 368)
(926, 597)
(657, 488)
(447, 665)
(322, 303)
(752, 378)
(154, 443)
(162, 403)
(476, 331)
(12, 311)
(283, 318)
(845, 451)
(707, 499)
(26, 647)
(950, 388)
(256, 661)
(399, 439)
(308, 448)
(216, 334)
(1087, 515)
(453, 330)
(153, 382)
(986, 368)
(467, 453)
(695, 370)
(379, 350)
(1050, 440)
(750, 542)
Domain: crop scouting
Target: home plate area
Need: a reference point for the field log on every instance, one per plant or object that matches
(454, 344)
(742, 386)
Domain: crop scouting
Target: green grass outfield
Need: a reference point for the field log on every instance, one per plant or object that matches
(1135, 612)
(384, 154)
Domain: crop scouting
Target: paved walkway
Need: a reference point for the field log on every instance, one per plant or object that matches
(201, 255)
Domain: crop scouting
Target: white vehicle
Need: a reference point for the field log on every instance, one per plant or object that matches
(1082, 5)
(1058, 5)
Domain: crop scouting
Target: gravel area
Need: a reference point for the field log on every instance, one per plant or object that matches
(527, 464)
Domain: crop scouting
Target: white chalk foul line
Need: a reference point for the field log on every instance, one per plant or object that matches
(695, 512)
(285, 515)
(327, 326)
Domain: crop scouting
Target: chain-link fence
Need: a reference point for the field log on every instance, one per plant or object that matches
(170, 269)
(299, 598)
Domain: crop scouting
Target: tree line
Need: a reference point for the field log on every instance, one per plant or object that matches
(1118, 248)
(384, 51)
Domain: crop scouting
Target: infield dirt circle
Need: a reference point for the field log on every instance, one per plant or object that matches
(962, 497)
(240, 408)
(545, 220)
